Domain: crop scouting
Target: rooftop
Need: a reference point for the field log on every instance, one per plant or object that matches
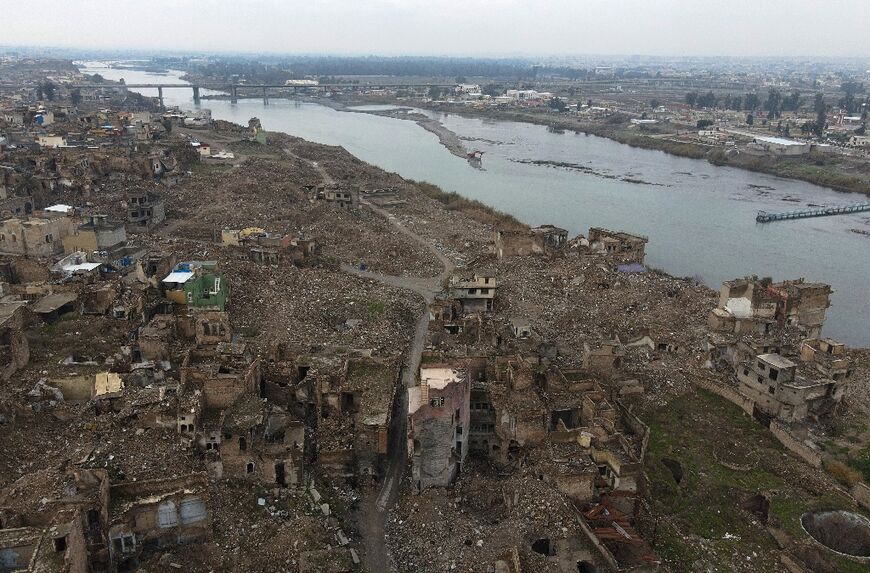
(777, 361)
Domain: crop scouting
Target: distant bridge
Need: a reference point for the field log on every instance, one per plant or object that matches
(231, 89)
(765, 217)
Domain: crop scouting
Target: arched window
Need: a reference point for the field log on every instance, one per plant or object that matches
(167, 516)
(249, 469)
(243, 444)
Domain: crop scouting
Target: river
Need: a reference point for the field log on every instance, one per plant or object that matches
(700, 218)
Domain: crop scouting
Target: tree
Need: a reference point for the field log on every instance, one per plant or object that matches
(97, 79)
(654, 103)
(691, 98)
(773, 103)
(750, 119)
(703, 123)
(861, 130)
(708, 100)
(751, 102)
(434, 92)
(491, 90)
(461, 80)
(40, 95)
(821, 115)
(75, 96)
(167, 125)
(848, 103)
(792, 102)
(557, 104)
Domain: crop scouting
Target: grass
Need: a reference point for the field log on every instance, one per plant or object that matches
(376, 309)
(474, 209)
(861, 462)
(705, 527)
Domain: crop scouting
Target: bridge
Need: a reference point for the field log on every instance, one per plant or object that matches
(765, 217)
(231, 89)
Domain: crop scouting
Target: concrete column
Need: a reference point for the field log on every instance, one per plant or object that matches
(160, 94)
(234, 96)
(265, 97)
(196, 95)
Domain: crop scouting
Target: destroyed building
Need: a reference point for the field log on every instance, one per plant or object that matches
(828, 357)
(252, 439)
(536, 241)
(758, 306)
(438, 423)
(14, 348)
(779, 390)
(35, 236)
(621, 246)
(149, 516)
(354, 416)
(223, 374)
(476, 294)
(145, 210)
(342, 197)
(97, 234)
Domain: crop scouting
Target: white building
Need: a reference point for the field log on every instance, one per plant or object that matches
(780, 146)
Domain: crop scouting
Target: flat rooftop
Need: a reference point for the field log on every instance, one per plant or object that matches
(777, 361)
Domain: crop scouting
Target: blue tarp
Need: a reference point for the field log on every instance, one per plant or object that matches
(631, 268)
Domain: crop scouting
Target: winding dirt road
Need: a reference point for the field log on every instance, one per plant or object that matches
(377, 502)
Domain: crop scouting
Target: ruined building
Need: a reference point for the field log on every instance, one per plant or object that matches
(438, 423)
(354, 416)
(14, 349)
(98, 234)
(779, 390)
(536, 241)
(36, 236)
(621, 246)
(476, 294)
(758, 306)
(145, 210)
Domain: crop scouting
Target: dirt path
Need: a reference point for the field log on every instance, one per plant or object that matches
(378, 501)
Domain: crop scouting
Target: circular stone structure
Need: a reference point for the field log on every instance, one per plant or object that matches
(841, 531)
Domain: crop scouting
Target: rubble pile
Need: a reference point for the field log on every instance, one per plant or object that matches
(279, 358)
(473, 524)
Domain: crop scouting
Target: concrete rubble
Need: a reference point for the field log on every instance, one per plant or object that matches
(288, 360)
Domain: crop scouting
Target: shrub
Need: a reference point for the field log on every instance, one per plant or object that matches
(842, 473)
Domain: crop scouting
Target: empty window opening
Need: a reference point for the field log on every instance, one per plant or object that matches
(280, 477)
(543, 546)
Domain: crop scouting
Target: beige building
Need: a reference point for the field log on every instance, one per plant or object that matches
(35, 236)
(96, 234)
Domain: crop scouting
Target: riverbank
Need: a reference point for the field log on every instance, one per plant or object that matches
(827, 170)
(833, 171)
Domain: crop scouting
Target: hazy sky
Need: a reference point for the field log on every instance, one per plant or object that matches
(453, 27)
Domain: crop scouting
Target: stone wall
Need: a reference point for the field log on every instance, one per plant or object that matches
(729, 394)
(804, 452)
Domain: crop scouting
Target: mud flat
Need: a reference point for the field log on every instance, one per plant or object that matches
(448, 138)
(585, 169)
